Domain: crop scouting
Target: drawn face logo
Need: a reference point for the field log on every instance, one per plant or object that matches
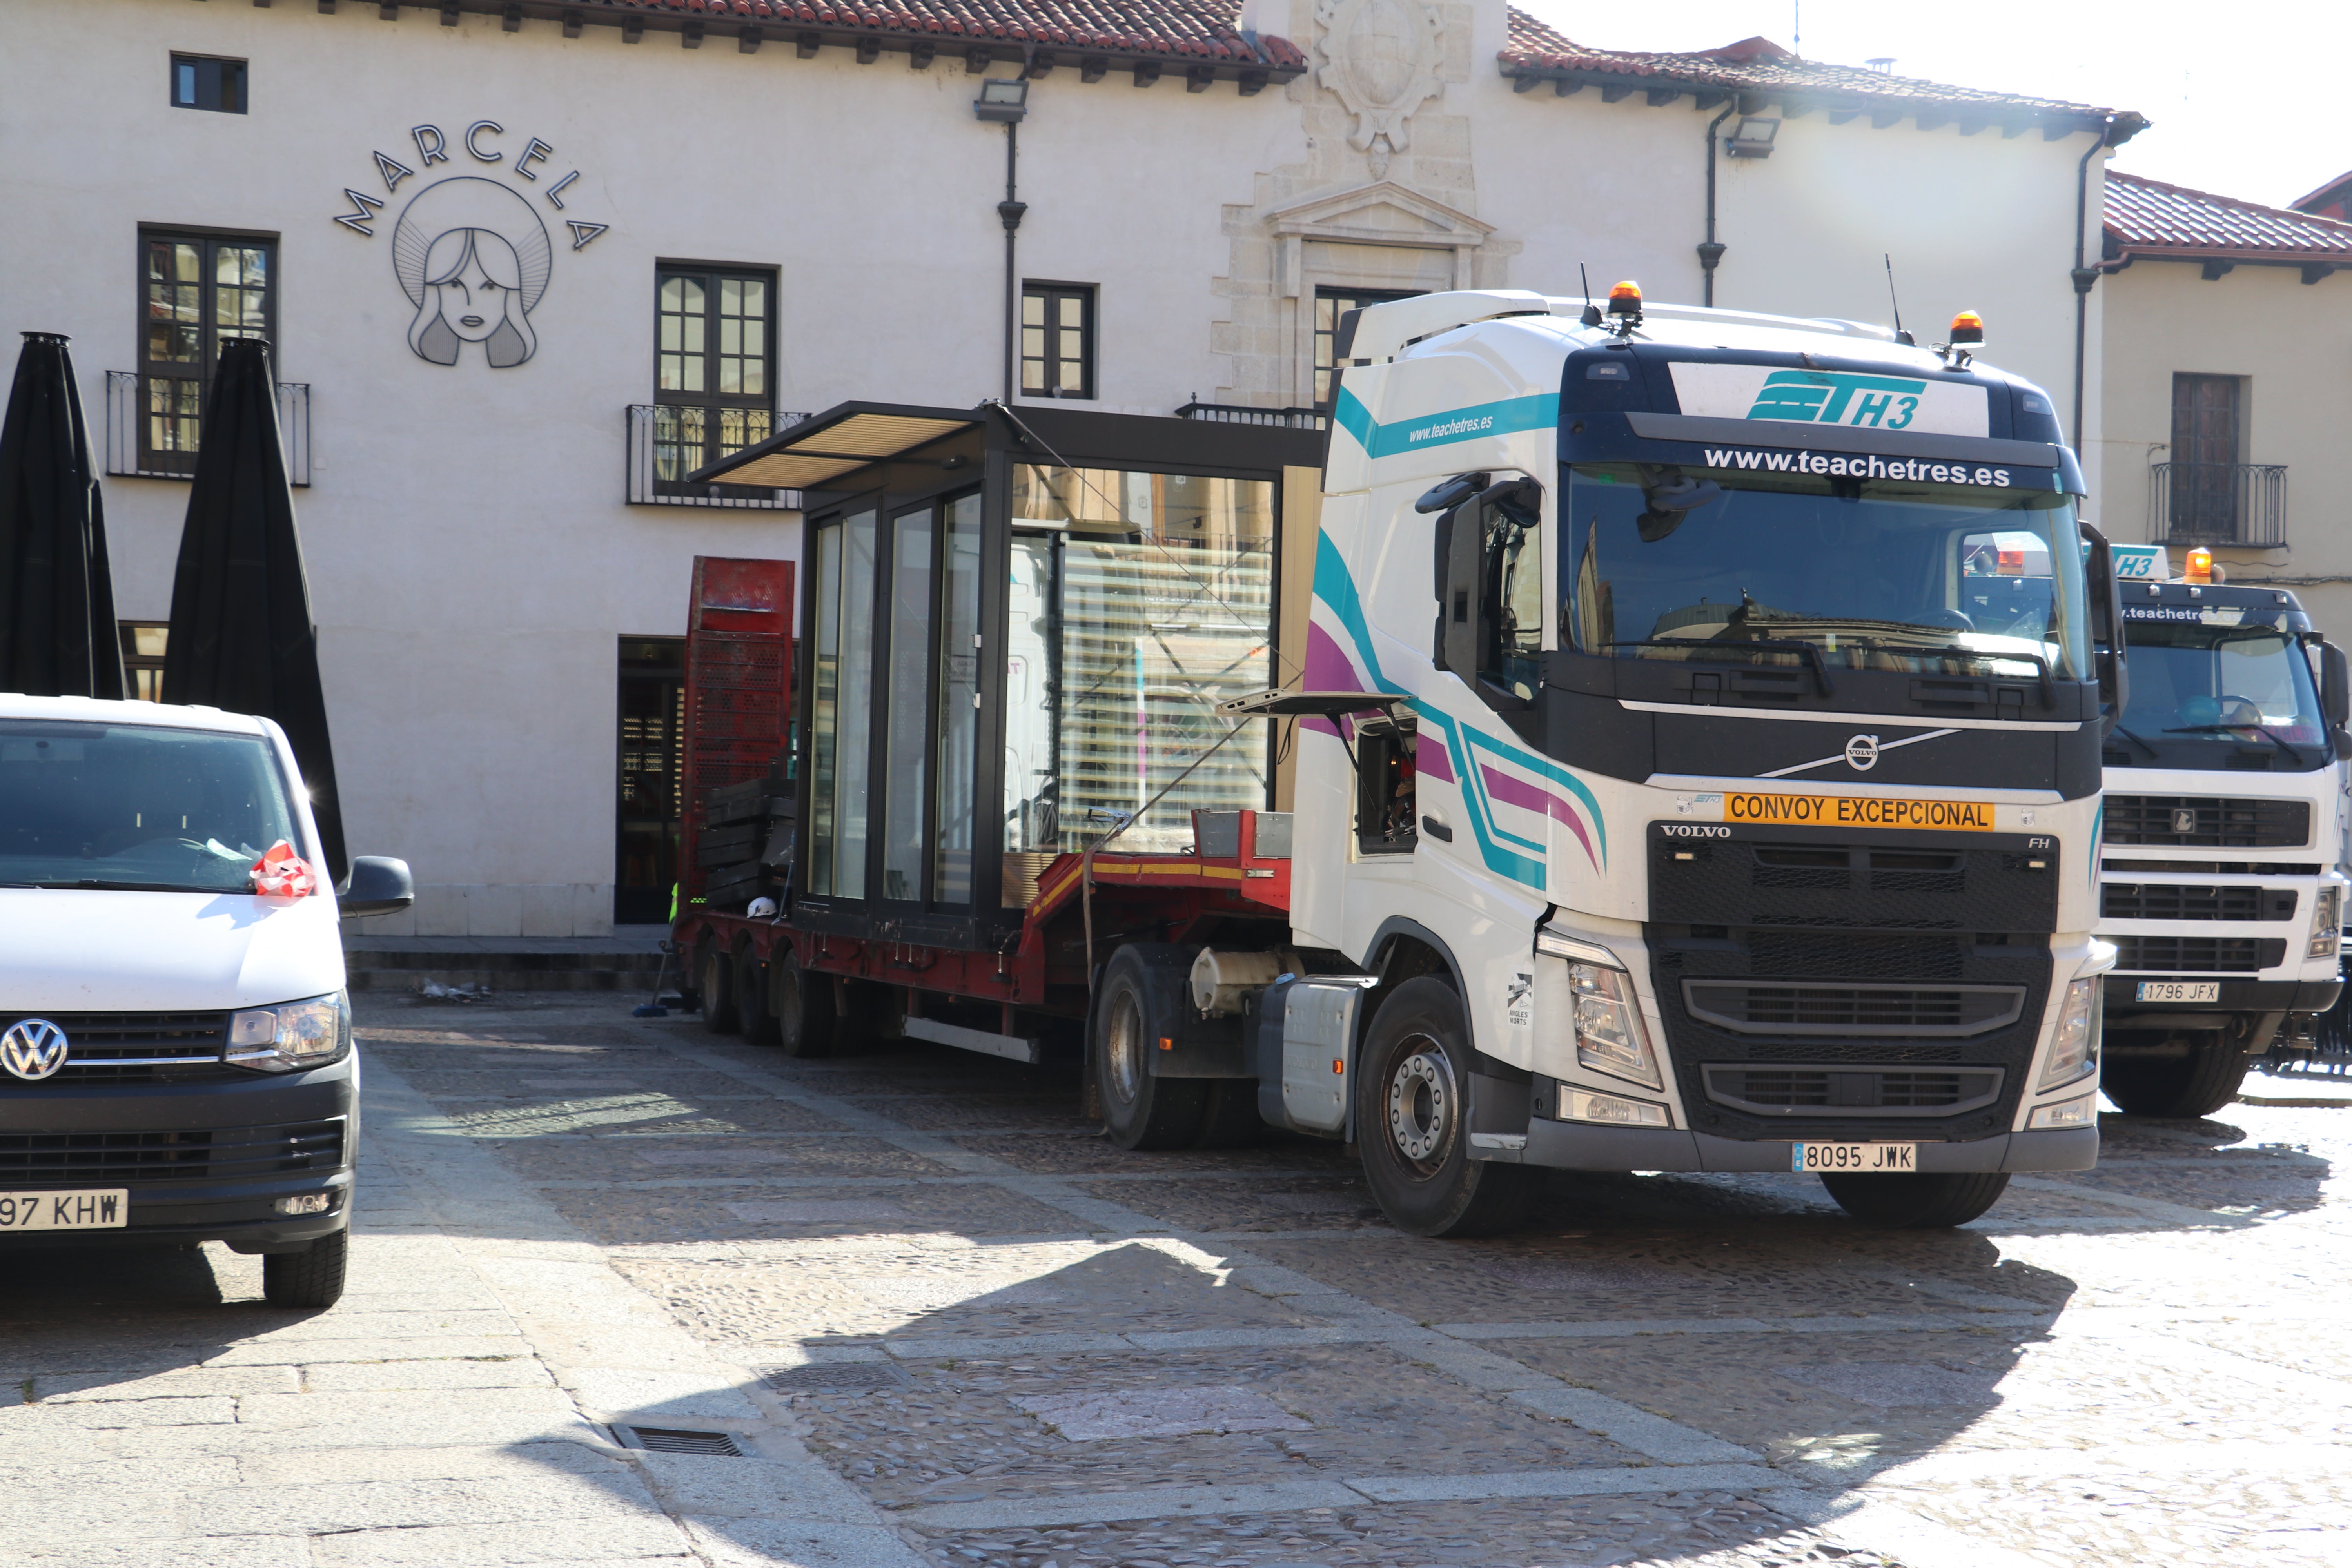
(33, 1048)
(474, 259)
(1862, 753)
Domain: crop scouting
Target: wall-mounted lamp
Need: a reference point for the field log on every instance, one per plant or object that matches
(1003, 98)
(1754, 137)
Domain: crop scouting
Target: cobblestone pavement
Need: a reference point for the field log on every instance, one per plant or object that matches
(947, 1326)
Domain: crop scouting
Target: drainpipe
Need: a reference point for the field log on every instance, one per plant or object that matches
(1011, 210)
(1710, 254)
(2083, 277)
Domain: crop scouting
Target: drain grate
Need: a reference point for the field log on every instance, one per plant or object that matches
(832, 1377)
(669, 1440)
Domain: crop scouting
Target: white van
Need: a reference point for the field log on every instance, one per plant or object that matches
(176, 1039)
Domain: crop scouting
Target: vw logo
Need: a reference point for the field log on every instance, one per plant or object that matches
(33, 1048)
(2184, 821)
(1862, 753)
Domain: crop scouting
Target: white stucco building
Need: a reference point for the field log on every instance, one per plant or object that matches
(524, 263)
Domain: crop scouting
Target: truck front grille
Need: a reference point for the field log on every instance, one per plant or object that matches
(122, 1159)
(2177, 901)
(2223, 822)
(1777, 1007)
(2200, 954)
(134, 1047)
(1842, 1090)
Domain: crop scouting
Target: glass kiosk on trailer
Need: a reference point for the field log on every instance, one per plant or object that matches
(1017, 625)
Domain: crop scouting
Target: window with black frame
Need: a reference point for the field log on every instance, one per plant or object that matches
(1330, 304)
(714, 348)
(1057, 340)
(196, 293)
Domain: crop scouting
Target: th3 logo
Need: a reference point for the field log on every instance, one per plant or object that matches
(1837, 397)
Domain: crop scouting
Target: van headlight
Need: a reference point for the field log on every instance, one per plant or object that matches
(291, 1035)
(2327, 922)
(1608, 1022)
(2076, 1050)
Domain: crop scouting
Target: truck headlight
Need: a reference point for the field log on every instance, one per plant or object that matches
(1608, 1022)
(291, 1035)
(2076, 1050)
(2327, 922)
(2082, 1112)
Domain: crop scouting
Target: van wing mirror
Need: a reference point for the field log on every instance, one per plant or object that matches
(378, 885)
(2107, 628)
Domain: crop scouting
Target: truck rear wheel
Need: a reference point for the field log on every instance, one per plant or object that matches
(2198, 1084)
(1412, 1120)
(715, 973)
(1137, 1007)
(1928, 1200)
(805, 1023)
(751, 997)
(312, 1278)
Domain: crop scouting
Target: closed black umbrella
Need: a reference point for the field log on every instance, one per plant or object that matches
(242, 637)
(57, 635)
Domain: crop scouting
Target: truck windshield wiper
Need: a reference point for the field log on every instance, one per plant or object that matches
(2136, 740)
(95, 884)
(1821, 666)
(1961, 650)
(2268, 733)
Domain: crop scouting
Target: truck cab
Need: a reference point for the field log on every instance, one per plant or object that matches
(2222, 861)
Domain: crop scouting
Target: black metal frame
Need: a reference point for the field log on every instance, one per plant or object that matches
(244, 82)
(1052, 292)
(175, 462)
(932, 474)
(712, 403)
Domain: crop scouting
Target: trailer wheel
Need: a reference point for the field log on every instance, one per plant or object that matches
(751, 996)
(718, 975)
(805, 1023)
(1139, 1111)
(2198, 1084)
(1928, 1200)
(1410, 1121)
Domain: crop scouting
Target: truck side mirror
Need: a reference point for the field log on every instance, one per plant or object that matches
(2335, 694)
(2108, 628)
(1460, 604)
(378, 885)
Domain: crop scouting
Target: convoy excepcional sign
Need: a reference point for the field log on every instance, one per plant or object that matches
(1860, 811)
(1850, 399)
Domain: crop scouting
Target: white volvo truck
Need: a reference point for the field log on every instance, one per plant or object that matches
(1697, 769)
(2223, 870)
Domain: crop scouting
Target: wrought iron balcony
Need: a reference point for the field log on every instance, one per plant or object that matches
(668, 441)
(1242, 413)
(2217, 503)
(153, 422)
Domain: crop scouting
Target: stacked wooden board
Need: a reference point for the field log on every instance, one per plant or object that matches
(744, 848)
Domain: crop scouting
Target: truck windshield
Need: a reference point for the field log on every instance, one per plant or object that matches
(136, 807)
(2226, 677)
(1865, 574)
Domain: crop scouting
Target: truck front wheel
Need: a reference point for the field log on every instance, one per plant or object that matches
(1137, 1007)
(1412, 1120)
(2197, 1084)
(1928, 1200)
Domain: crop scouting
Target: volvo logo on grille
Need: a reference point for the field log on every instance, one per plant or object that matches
(33, 1048)
(2184, 821)
(1862, 753)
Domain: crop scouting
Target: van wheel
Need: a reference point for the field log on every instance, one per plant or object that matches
(1134, 1009)
(2198, 1084)
(1412, 1120)
(717, 973)
(1924, 1200)
(805, 1021)
(751, 997)
(312, 1278)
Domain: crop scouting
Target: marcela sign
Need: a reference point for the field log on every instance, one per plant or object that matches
(470, 249)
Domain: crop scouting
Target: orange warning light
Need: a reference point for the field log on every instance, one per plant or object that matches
(1167, 1044)
(2201, 565)
(1968, 326)
(1626, 300)
(1339, 1066)
(2012, 563)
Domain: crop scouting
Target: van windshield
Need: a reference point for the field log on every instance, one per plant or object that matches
(1865, 574)
(136, 807)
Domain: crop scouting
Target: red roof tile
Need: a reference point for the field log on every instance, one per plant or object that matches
(1759, 66)
(2149, 217)
(2333, 199)
(1187, 31)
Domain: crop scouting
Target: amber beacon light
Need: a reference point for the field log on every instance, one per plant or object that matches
(2200, 566)
(1968, 326)
(1626, 300)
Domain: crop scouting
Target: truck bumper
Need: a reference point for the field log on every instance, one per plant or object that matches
(2124, 1011)
(1577, 1146)
(252, 1142)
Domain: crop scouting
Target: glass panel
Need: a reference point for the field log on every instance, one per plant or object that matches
(1032, 714)
(959, 703)
(1166, 609)
(1032, 310)
(853, 767)
(1070, 381)
(824, 714)
(681, 434)
(906, 769)
(1072, 308)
